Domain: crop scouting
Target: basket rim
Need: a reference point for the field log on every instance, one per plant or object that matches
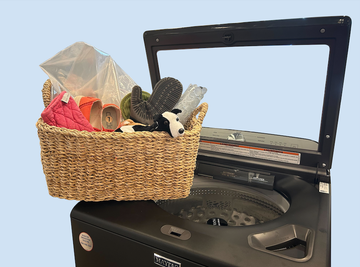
(42, 126)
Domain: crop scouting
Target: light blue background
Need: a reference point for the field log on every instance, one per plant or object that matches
(35, 228)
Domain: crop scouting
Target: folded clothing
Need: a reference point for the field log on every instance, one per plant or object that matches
(64, 112)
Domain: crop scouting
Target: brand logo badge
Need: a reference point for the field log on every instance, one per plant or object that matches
(162, 261)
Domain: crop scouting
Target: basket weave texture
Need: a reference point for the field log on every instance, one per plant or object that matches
(99, 166)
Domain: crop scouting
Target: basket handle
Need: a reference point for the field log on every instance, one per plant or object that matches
(200, 111)
(46, 92)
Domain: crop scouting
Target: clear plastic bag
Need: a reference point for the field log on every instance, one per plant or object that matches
(189, 101)
(83, 70)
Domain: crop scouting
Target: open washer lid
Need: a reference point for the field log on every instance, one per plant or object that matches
(330, 32)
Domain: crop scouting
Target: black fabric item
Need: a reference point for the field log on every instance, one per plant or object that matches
(164, 97)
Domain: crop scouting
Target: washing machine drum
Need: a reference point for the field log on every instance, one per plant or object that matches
(226, 207)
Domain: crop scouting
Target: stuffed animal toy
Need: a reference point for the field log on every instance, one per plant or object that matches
(167, 121)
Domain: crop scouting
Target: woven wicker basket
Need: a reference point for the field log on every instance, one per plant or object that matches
(98, 166)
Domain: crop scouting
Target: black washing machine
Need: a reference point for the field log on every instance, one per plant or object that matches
(257, 199)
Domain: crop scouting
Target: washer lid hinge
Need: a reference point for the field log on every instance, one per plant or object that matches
(322, 175)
